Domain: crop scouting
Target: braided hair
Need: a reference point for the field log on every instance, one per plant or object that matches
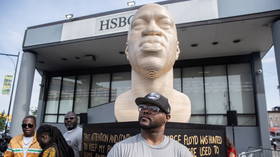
(57, 140)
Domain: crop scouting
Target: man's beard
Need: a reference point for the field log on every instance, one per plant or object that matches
(71, 127)
(152, 125)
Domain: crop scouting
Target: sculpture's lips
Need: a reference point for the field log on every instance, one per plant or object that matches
(151, 45)
(151, 42)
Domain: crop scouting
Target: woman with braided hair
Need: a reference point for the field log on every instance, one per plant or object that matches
(52, 142)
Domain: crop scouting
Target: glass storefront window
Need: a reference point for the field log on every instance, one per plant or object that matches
(121, 83)
(61, 118)
(197, 119)
(53, 95)
(246, 120)
(193, 87)
(207, 87)
(81, 94)
(50, 118)
(67, 95)
(216, 89)
(241, 88)
(216, 119)
(177, 79)
(100, 89)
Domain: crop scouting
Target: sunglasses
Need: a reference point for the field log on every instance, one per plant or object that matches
(27, 125)
(151, 109)
(71, 118)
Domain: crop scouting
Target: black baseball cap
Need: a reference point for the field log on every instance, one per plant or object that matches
(155, 99)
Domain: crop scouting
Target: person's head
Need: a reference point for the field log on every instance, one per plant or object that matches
(43, 135)
(28, 126)
(154, 111)
(71, 120)
(48, 135)
(152, 44)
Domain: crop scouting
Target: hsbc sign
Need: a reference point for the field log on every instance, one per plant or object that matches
(120, 22)
(114, 23)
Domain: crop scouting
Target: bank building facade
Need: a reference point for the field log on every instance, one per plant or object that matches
(84, 68)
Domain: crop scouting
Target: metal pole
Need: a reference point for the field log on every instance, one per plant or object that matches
(11, 96)
(7, 54)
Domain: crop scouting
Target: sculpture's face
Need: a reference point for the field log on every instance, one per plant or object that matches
(152, 45)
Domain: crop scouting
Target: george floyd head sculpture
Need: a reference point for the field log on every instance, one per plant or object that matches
(152, 49)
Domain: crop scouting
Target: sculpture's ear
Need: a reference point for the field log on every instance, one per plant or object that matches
(177, 50)
(126, 51)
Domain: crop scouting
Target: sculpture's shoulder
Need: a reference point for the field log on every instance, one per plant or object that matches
(180, 107)
(181, 97)
(123, 97)
(125, 107)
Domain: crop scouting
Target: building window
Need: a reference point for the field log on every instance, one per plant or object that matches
(246, 119)
(241, 93)
(193, 87)
(216, 89)
(216, 119)
(241, 88)
(51, 108)
(197, 119)
(121, 82)
(177, 79)
(82, 94)
(212, 89)
(67, 95)
(100, 89)
(50, 118)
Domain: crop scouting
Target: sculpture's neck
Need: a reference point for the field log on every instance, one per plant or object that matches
(142, 85)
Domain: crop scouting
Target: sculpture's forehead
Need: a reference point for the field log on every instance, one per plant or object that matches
(152, 10)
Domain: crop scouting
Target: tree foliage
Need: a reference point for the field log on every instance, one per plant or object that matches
(3, 118)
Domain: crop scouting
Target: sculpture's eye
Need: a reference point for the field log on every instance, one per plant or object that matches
(138, 24)
(165, 23)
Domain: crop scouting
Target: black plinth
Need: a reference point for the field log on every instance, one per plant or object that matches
(202, 140)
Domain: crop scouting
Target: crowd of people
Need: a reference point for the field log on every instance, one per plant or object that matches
(154, 112)
(47, 141)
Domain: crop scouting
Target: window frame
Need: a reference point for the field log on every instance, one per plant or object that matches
(179, 64)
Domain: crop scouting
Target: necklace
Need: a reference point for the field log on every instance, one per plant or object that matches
(27, 141)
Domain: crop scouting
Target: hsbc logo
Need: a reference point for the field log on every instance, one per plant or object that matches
(114, 23)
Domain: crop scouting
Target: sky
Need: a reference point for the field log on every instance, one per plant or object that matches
(17, 15)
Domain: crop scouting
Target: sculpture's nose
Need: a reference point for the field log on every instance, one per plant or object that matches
(152, 29)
